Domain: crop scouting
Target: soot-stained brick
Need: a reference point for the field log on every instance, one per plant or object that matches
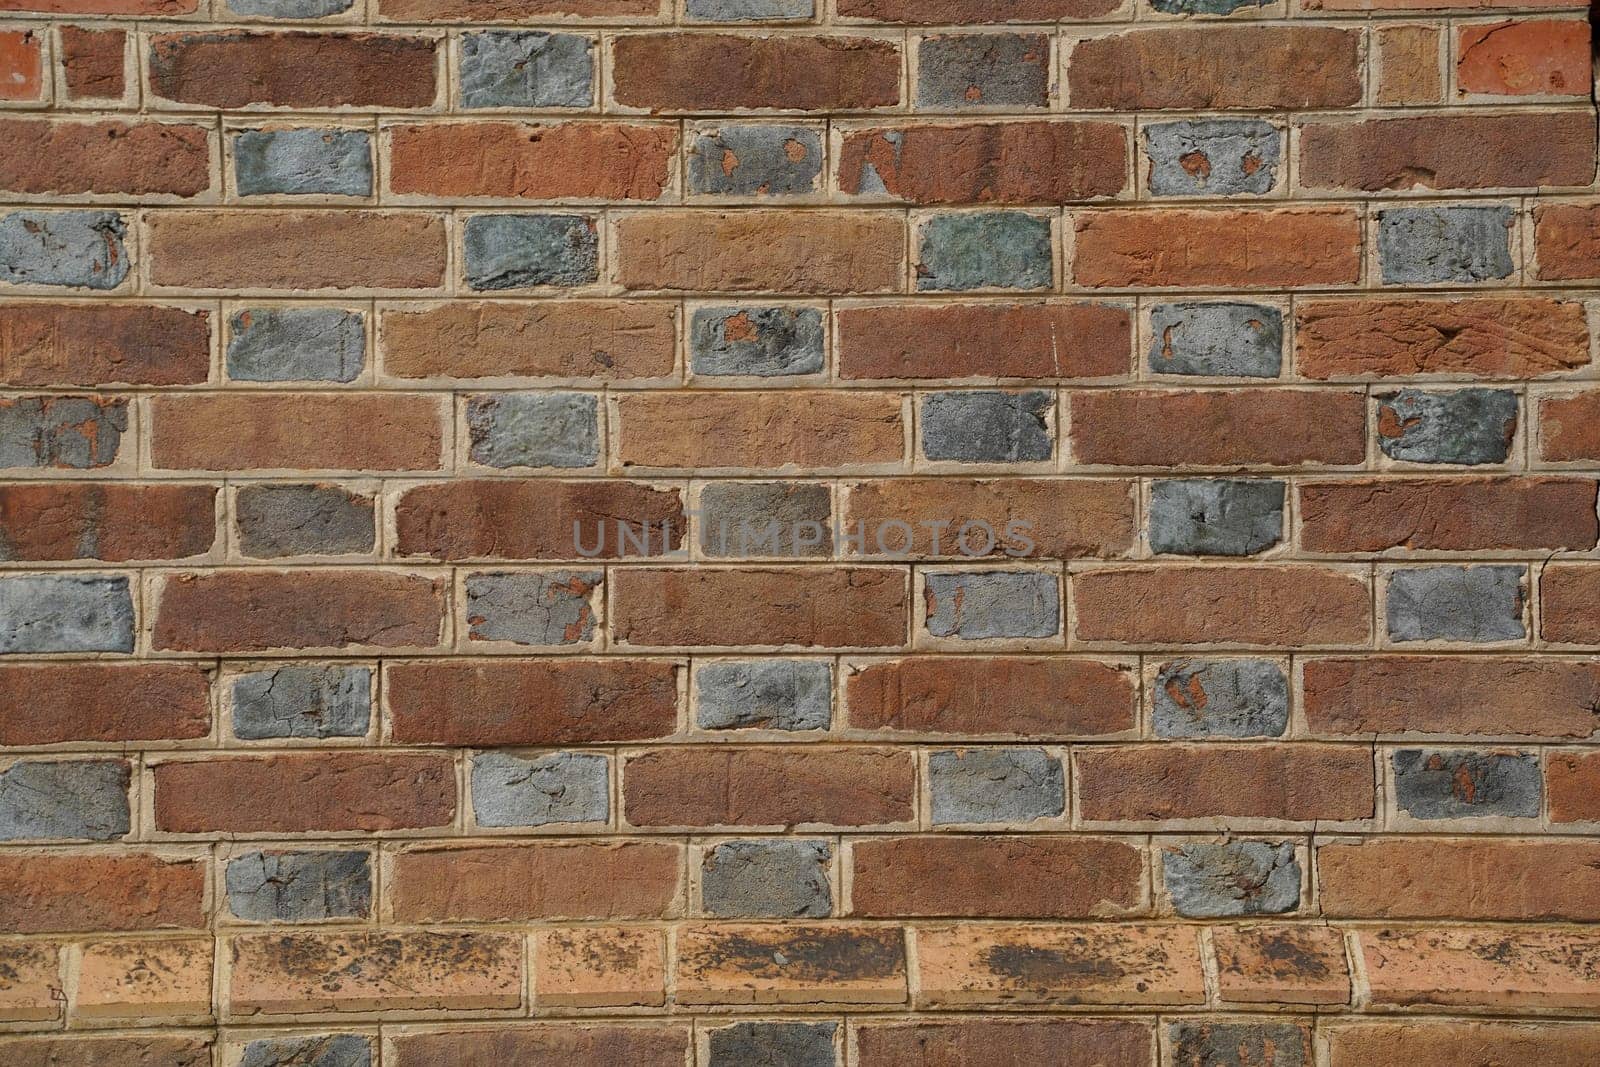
(534, 429)
(1445, 243)
(559, 787)
(300, 701)
(1454, 784)
(79, 800)
(987, 427)
(296, 344)
(290, 9)
(80, 249)
(995, 785)
(514, 68)
(305, 161)
(551, 608)
(766, 879)
(273, 886)
(528, 251)
(1463, 426)
(960, 72)
(984, 250)
(77, 432)
(1216, 339)
(1209, 881)
(741, 520)
(1215, 517)
(320, 1050)
(992, 604)
(65, 613)
(764, 695)
(773, 1045)
(1455, 603)
(1221, 698)
(1253, 1044)
(1213, 157)
(755, 161)
(763, 341)
(303, 520)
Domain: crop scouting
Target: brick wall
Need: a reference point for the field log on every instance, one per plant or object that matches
(387, 383)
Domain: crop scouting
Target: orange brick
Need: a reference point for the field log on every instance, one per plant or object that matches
(1281, 965)
(667, 72)
(1500, 967)
(21, 65)
(94, 63)
(1573, 781)
(1451, 1043)
(300, 431)
(111, 157)
(1567, 428)
(791, 964)
(812, 429)
(989, 340)
(30, 982)
(1542, 57)
(599, 967)
(70, 891)
(1566, 241)
(133, 982)
(1267, 248)
(1460, 878)
(585, 161)
(739, 786)
(1409, 68)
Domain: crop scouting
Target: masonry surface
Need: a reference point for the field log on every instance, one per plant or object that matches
(799, 533)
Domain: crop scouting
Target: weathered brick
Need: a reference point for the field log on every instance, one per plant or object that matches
(559, 788)
(286, 344)
(534, 429)
(296, 431)
(303, 520)
(109, 157)
(80, 1051)
(1220, 698)
(93, 344)
(768, 342)
(755, 160)
(511, 68)
(49, 704)
(813, 429)
(1529, 57)
(654, 1046)
(971, 1042)
(1427, 1043)
(1478, 604)
(551, 608)
(42, 613)
(764, 695)
(984, 250)
(322, 1050)
(1260, 248)
(82, 800)
(667, 72)
(1210, 881)
(21, 65)
(763, 879)
(531, 161)
(94, 63)
(1283, 782)
(1213, 157)
(231, 69)
(1569, 603)
(1466, 426)
(1171, 427)
(1205, 1041)
(1213, 517)
(950, 12)
(528, 519)
(303, 160)
(744, 520)
(527, 251)
(79, 520)
(1567, 432)
(988, 427)
(727, 786)
(1573, 779)
(793, 964)
(599, 967)
(1032, 340)
(1407, 65)
(304, 793)
(509, 10)
(297, 887)
(995, 785)
(302, 701)
(1281, 965)
(1454, 515)
(747, 10)
(74, 432)
(82, 249)
(1566, 240)
(1493, 879)
(793, 1044)
(960, 72)
(1481, 967)
(1443, 151)
(31, 990)
(1459, 784)
(979, 605)
(146, 982)
(65, 891)
(290, 9)
(1216, 339)
(1456, 243)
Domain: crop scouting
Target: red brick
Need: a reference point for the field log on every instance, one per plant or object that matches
(1541, 57)
(668, 72)
(1480, 337)
(58, 521)
(1566, 239)
(1522, 150)
(957, 12)
(545, 880)
(1033, 877)
(740, 786)
(1217, 428)
(531, 702)
(790, 964)
(21, 64)
(1504, 968)
(303, 793)
(103, 344)
(94, 63)
(1281, 965)
(1007, 1043)
(1289, 783)
(1269, 248)
(1567, 428)
(1028, 340)
(986, 163)
(239, 68)
(1514, 696)
(296, 431)
(1006, 696)
(816, 607)
(810, 428)
(1460, 878)
(1430, 5)
(109, 157)
(576, 1043)
(1448, 515)
(580, 160)
(155, 8)
(47, 705)
(1208, 67)
(51, 892)
(1569, 601)
(1572, 780)
(1451, 1043)
(254, 611)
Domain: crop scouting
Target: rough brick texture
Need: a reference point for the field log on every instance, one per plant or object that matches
(799, 533)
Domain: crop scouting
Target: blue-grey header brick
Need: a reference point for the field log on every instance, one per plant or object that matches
(987, 427)
(993, 604)
(513, 68)
(1463, 426)
(290, 9)
(534, 429)
(1251, 1044)
(1210, 881)
(1221, 698)
(69, 248)
(764, 695)
(962, 72)
(756, 161)
(320, 1050)
(742, 520)
(1454, 784)
(985, 250)
(767, 342)
(551, 608)
(995, 785)
(1213, 157)
(303, 520)
(302, 702)
(306, 161)
(76, 800)
(1222, 340)
(78, 432)
(1453, 603)
(561, 787)
(1445, 243)
(766, 879)
(748, 10)
(296, 887)
(772, 1045)
(65, 613)
(296, 345)
(1215, 517)
(525, 251)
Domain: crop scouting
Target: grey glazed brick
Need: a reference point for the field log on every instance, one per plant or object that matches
(65, 613)
(992, 604)
(297, 887)
(1216, 339)
(995, 785)
(529, 608)
(290, 9)
(987, 426)
(75, 432)
(77, 800)
(1215, 517)
(1462, 426)
(527, 251)
(961, 72)
(296, 345)
(276, 521)
(748, 10)
(516, 68)
(319, 1050)
(764, 1044)
(1210, 881)
(969, 250)
(764, 695)
(1455, 603)
(766, 342)
(1213, 1043)
(755, 161)
(1213, 157)
(560, 787)
(302, 701)
(1221, 698)
(1454, 784)
(742, 520)
(66, 248)
(534, 429)
(1445, 243)
(327, 161)
(766, 879)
